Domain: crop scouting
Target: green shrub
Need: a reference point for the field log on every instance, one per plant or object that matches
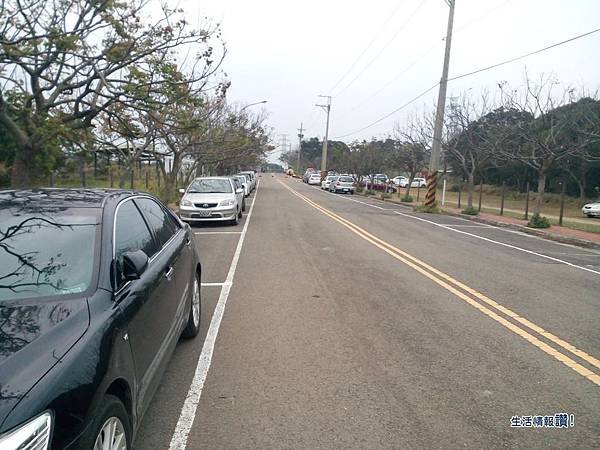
(369, 192)
(386, 195)
(455, 188)
(470, 210)
(407, 198)
(538, 221)
(433, 209)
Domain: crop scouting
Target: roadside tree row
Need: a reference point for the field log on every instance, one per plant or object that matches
(126, 78)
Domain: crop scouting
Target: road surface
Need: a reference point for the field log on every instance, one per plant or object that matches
(333, 321)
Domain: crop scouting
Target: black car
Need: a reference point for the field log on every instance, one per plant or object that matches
(96, 288)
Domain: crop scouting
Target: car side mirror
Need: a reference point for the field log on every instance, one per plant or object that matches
(182, 191)
(239, 191)
(134, 264)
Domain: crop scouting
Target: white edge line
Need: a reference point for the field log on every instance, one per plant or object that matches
(214, 284)
(217, 232)
(541, 255)
(190, 404)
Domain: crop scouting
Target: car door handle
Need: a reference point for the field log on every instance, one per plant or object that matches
(169, 273)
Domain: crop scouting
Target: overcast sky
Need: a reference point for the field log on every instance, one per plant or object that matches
(289, 52)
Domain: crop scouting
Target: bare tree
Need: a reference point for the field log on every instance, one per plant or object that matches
(414, 151)
(547, 134)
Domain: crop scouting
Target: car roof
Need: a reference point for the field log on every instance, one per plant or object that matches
(212, 178)
(61, 197)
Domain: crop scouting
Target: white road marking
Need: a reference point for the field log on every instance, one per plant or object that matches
(217, 232)
(214, 284)
(514, 247)
(188, 411)
(464, 226)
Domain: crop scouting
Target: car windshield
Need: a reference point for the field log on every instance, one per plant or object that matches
(346, 179)
(210, 186)
(46, 253)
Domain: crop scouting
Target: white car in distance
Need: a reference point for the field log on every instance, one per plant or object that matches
(314, 179)
(327, 181)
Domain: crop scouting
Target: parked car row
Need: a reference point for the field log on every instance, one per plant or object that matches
(97, 288)
(339, 183)
(216, 199)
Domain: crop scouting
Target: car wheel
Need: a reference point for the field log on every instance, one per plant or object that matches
(235, 220)
(244, 205)
(109, 428)
(193, 325)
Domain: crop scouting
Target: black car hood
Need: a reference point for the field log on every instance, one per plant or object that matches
(34, 335)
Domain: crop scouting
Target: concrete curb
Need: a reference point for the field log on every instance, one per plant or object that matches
(522, 228)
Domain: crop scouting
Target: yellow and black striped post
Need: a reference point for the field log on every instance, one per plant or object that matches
(431, 188)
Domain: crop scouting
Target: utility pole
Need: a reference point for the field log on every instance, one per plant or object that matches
(327, 109)
(300, 136)
(439, 116)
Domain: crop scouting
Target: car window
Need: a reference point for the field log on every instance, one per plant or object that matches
(346, 179)
(46, 253)
(131, 234)
(157, 219)
(210, 186)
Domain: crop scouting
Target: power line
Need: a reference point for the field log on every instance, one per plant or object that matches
(524, 56)
(384, 47)
(390, 114)
(421, 57)
(472, 73)
(381, 29)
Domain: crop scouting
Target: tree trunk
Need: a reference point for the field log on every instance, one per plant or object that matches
(470, 189)
(410, 180)
(20, 176)
(539, 201)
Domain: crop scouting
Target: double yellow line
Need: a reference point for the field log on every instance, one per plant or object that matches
(486, 305)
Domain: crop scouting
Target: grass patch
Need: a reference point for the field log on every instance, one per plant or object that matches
(407, 199)
(538, 221)
(470, 210)
(432, 209)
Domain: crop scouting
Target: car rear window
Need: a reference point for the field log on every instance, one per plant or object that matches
(346, 179)
(47, 252)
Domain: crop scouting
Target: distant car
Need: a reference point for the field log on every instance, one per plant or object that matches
(244, 182)
(325, 183)
(379, 178)
(399, 180)
(211, 199)
(308, 173)
(97, 288)
(591, 209)
(253, 179)
(419, 183)
(342, 184)
(314, 179)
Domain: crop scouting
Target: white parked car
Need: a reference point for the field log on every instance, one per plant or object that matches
(417, 183)
(399, 180)
(314, 179)
(591, 209)
(245, 182)
(250, 174)
(342, 184)
(325, 183)
(212, 199)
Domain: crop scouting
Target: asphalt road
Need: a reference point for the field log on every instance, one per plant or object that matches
(353, 323)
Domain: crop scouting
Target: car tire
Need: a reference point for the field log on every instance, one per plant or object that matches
(244, 205)
(111, 411)
(235, 220)
(193, 324)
